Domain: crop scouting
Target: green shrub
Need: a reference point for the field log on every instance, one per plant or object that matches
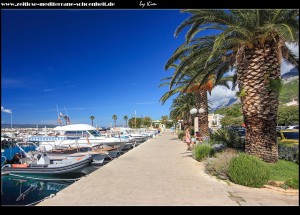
(202, 151)
(293, 182)
(218, 166)
(289, 152)
(180, 134)
(249, 171)
(227, 137)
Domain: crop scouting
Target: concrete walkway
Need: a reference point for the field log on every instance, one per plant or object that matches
(161, 172)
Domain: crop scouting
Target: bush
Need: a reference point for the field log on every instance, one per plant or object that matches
(218, 147)
(202, 151)
(293, 182)
(180, 134)
(249, 171)
(289, 152)
(218, 166)
(228, 137)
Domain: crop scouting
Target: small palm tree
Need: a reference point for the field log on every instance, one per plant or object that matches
(92, 118)
(126, 120)
(115, 117)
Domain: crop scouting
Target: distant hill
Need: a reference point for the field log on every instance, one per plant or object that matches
(289, 91)
(292, 73)
(27, 126)
(230, 102)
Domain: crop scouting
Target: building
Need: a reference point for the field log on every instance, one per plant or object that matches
(214, 121)
(292, 103)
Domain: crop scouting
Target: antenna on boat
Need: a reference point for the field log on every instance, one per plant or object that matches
(68, 118)
(58, 117)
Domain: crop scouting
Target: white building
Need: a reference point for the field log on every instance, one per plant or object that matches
(214, 121)
(292, 103)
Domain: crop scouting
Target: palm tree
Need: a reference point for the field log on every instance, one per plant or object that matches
(92, 118)
(199, 90)
(180, 108)
(114, 117)
(254, 43)
(126, 120)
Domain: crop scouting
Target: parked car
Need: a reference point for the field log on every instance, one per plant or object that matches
(288, 135)
(293, 127)
(278, 128)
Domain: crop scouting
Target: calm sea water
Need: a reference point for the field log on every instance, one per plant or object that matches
(30, 189)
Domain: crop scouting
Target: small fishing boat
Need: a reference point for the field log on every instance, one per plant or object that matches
(41, 163)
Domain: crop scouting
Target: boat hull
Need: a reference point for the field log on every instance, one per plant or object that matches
(49, 170)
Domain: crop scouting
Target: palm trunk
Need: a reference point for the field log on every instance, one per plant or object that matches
(202, 102)
(259, 70)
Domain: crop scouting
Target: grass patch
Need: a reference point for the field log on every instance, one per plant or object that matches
(283, 170)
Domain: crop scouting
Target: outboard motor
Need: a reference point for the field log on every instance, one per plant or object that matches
(43, 158)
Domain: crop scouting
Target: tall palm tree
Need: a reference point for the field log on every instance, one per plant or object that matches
(92, 118)
(254, 43)
(126, 120)
(199, 90)
(180, 108)
(115, 117)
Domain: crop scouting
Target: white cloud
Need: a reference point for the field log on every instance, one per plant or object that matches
(230, 72)
(294, 48)
(221, 95)
(11, 83)
(146, 103)
(47, 90)
(5, 110)
(285, 67)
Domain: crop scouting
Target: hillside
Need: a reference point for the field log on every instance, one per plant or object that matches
(289, 92)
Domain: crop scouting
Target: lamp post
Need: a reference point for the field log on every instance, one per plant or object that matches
(195, 111)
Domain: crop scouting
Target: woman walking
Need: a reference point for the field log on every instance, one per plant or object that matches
(188, 138)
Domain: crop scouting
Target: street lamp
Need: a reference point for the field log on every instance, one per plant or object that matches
(194, 111)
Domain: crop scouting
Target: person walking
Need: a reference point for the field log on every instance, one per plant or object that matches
(188, 138)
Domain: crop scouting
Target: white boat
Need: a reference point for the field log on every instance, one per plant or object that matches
(75, 135)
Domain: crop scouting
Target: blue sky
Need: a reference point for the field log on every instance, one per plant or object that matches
(92, 62)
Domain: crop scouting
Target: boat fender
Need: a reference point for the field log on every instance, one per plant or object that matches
(24, 165)
(78, 159)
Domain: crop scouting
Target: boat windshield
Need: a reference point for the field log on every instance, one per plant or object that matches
(94, 133)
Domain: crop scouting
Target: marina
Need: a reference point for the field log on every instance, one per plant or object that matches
(30, 172)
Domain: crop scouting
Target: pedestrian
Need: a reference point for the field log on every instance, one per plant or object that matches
(172, 130)
(193, 141)
(188, 138)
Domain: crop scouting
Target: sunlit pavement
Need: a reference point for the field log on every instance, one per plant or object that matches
(161, 172)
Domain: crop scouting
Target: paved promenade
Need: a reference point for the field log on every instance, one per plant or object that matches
(161, 172)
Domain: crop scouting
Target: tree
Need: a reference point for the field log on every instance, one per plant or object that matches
(147, 121)
(254, 43)
(115, 117)
(231, 121)
(135, 122)
(180, 108)
(126, 120)
(191, 83)
(288, 115)
(92, 118)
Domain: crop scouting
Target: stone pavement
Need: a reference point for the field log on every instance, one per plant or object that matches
(161, 172)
